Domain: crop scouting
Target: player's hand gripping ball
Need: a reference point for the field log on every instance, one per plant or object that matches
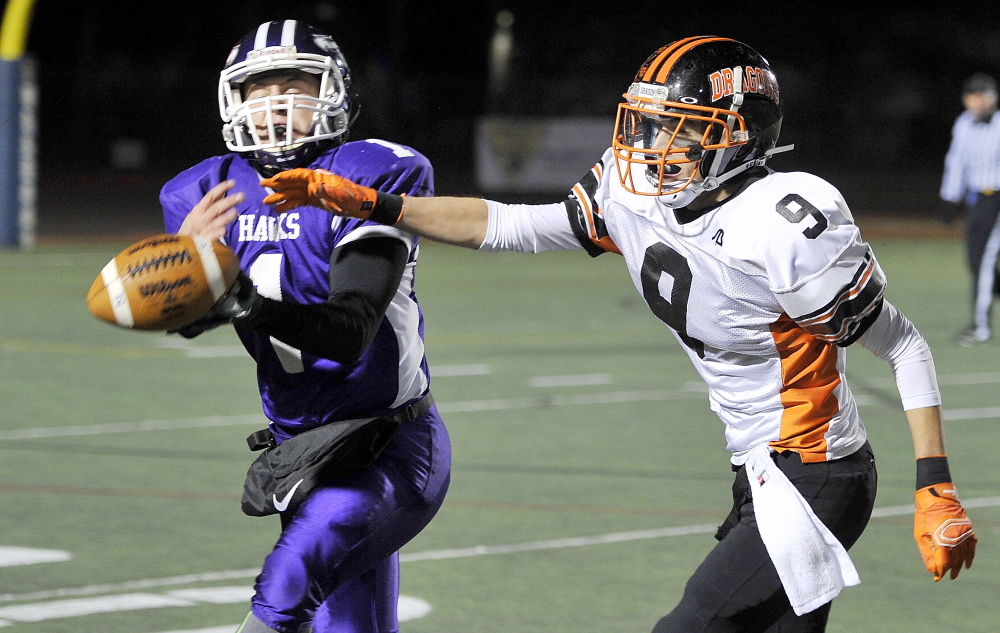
(163, 282)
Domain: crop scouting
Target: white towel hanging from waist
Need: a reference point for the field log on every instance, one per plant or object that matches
(812, 564)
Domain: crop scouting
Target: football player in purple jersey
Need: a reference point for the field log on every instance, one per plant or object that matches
(327, 309)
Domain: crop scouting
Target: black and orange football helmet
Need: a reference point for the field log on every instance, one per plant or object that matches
(708, 100)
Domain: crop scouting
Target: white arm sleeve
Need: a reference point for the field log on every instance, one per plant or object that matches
(893, 338)
(528, 228)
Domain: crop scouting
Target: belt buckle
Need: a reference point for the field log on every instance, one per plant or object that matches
(261, 440)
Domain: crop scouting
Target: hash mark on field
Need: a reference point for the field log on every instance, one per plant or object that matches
(409, 608)
(193, 350)
(468, 406)
(571, 381)
(478, 550)
(129, 427)
(11, 556)
(214, 629)
(499, 404)
(478, 369)
(582, 541)
(132, 585)
(119, 492)
(87, 606)
(986, 413)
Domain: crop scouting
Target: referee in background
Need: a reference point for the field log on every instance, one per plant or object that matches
(972, 178)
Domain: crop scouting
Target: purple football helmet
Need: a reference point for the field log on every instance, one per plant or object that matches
(275, 46)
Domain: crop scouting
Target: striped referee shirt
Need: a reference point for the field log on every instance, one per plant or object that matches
(972, 164)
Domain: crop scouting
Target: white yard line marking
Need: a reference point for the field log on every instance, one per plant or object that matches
(409, 608)
(57, 609)
(53, 259)
(981, 502)
(194, 350)
(559, 400)
(571, 381)
(478, 369)
(130, 427)
(977, 378)
(617, 537)
(971, 414)
(89, 606)
(469, 552)
(131, 585)
(686, 390)
(11, 556)
(221, 351)
(981, 378)
(468, 406)
(499, 404)
(215, 595)
(214, 629)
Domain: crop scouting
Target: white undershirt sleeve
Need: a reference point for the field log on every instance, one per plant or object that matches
(893, 338)
(528, 228)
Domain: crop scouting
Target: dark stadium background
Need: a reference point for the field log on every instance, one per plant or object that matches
(870, 89)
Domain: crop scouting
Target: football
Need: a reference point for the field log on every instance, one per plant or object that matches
(163, 282)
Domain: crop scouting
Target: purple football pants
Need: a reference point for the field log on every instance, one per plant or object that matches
(336, 564)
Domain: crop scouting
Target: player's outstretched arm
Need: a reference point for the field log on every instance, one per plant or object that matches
(457, 221)
(941, 527)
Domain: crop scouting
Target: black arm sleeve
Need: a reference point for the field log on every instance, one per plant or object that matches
(364, 276)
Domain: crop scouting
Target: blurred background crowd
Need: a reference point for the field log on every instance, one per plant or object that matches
(128, 89)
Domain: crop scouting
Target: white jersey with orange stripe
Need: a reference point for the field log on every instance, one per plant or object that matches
(763, 292)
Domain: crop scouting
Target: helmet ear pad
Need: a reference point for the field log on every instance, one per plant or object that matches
(762, 137)
(328, 125)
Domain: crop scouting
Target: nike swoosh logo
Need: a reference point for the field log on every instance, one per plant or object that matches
(282, 505)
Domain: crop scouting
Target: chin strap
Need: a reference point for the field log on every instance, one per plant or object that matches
(713, 170)
(711, 183)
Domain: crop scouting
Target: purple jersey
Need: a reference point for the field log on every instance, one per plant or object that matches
(288, 257)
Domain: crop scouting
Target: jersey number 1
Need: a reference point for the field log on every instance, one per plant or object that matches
(266, 274)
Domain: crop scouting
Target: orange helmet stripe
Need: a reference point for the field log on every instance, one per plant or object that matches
(658, 70)
(648, 70)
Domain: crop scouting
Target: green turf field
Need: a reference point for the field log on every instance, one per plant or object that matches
(588, 472)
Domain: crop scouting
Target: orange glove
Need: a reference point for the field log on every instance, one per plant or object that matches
(319, 188)
(943, 531)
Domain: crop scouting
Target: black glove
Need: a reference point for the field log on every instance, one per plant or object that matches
(203, 324)
(949, 211)
(239, 305)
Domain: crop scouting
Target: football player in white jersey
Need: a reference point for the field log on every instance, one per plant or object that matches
(764, 279)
